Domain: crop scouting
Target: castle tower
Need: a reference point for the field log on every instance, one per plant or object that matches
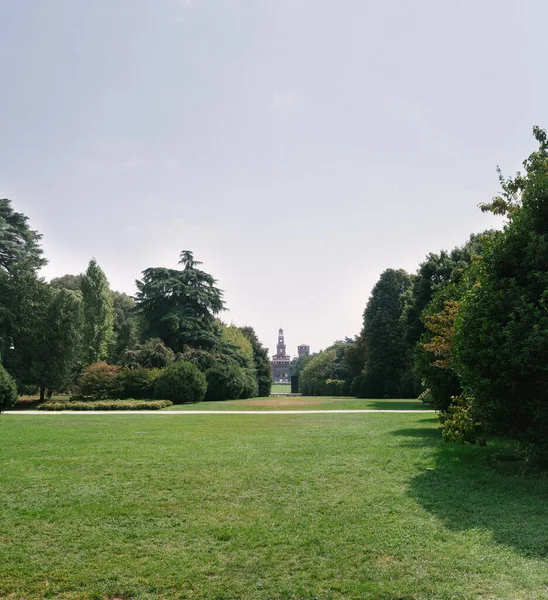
(280, 361)
(303, 349)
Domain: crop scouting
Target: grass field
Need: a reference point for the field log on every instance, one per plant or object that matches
(364, 506)
(281, 388)
(303, 403)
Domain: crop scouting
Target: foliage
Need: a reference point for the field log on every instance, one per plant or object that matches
(18, 243)
(501, 342)
(67, 282)
(385, 350)
(297, 364)
(224, 382)
(433, 275)
(107, 405)
(138, 383)
(261, 361)
(152, 354)
(457, 421)
(45, 324)
(234, 343)
(434, 354)
(100, 381)
(179, 306)
(509, 201)
(8, 390)
(126, 326)
(317, 371)
(181, 382)
(98, 314)
(334, 387)
(251, 384)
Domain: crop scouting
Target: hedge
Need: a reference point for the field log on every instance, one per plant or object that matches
(107, 405)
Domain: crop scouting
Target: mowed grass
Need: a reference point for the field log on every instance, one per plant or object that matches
(364, 506)
(304, 403)
(281, 388)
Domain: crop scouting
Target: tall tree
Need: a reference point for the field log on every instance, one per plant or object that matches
(385, 350)
(46, 326)
(179, 305)
(127, 325)
(18, 243)
(261, 360)
(98, 314)
(501, 342)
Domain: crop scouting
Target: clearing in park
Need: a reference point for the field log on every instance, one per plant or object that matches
(326, 506)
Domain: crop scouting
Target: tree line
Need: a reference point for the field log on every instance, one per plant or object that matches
(468, 332)
(71, 330)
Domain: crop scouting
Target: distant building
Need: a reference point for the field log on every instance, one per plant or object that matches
(303, 350)
(280, 361)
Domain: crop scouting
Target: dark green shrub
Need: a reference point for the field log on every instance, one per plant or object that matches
(100, 381)
(224, 382)
(8, 390)
(333, 387)
(181, 382)
(251, 387)
(107, 405)
(138, 383)
(357, 387)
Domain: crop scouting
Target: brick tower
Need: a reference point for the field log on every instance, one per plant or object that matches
(280, 361)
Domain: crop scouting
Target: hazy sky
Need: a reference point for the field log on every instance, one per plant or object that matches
(298, 147)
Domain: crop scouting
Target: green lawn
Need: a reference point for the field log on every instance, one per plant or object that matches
(362, 506)
(303, 403)
(281, 388)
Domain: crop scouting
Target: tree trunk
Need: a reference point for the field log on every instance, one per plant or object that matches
(42, 393)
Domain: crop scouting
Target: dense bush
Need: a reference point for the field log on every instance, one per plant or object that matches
(100, 381)
(357, 388)
(205, 359)
(334, 387)
(152, 354)
(138, 383)
(107, 405)
(457, 421)
(8, 390)
(251, 386)
(501, 339)
(224, 382)
(181, 382)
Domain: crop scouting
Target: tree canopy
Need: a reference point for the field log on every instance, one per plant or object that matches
(179, 305)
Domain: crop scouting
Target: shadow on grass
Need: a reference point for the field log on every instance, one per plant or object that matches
(466, 492)
(396, 405)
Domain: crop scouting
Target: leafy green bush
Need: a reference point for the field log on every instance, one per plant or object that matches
(181, 382)
(100, 381)
(107, 405)
(457, 421)
(334, 387)
(251, 386)
(8, 390)
(138, 383)
(357, 388)
(224, 382)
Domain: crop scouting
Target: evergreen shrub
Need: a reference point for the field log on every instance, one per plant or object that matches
(224, 382)
(8, 390)
(181, 382)
(138, 383)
